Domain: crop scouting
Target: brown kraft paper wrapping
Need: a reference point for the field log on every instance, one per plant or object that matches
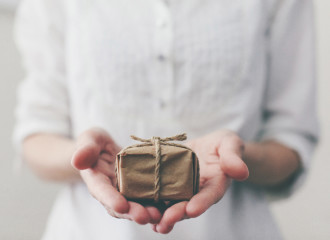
(178, 170)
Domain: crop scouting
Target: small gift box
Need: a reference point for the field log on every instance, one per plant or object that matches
(157, 169)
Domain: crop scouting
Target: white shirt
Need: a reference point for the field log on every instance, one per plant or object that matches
(159, 68)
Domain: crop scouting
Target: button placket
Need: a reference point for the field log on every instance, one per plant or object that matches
(163, 54)
(162, 23)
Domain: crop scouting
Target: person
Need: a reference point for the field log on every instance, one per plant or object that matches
(237, 77)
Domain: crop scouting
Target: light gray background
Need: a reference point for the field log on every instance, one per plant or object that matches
(25, 201)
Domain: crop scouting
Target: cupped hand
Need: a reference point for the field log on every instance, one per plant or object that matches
(95, 158)
(220, 159)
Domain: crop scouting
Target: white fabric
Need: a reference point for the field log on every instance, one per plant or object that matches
(158, 68)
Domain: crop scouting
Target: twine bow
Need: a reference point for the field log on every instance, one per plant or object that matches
(157, 142)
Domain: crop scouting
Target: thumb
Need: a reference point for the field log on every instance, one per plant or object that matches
(230, 152)
(90, 144)
(234, 167)
(86, 156)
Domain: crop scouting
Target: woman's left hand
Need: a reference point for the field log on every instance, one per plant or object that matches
(220, 159)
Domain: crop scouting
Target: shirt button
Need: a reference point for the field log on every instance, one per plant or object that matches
(162, 104)
(161, 58)
(161, 23)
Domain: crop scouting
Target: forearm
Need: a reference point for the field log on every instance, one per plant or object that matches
(49, 156)
(270, 163)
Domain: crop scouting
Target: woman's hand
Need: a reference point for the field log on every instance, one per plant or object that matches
(95, 158)
(220, 159)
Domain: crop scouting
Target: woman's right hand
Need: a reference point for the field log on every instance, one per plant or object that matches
(95, 159)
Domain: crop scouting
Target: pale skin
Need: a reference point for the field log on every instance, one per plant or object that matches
(91, 158)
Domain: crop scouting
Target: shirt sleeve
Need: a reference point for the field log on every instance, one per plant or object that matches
(42, 99)
(290, 115)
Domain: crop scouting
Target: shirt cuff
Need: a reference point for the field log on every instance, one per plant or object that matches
(30, 127)
(304, 146)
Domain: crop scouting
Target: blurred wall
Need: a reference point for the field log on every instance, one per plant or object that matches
(25, 201)
(8, 3)
(306, 215)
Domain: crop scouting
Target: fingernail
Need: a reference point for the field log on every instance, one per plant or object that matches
(153, 226)
(158, 228)
(163, 230)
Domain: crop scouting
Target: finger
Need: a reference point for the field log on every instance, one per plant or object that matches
(86, 156)
(106, 168)
(99, 185)
(118, 215)
(164, 230)
(212, 191)
(154, 213)
(171, 216)
(230, 152)
(138, 213)
(153, 227)
(89, 146)
(107, 157)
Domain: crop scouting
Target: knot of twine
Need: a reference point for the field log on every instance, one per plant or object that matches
(157, 142)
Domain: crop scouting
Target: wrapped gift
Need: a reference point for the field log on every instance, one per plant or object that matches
(157, 169)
